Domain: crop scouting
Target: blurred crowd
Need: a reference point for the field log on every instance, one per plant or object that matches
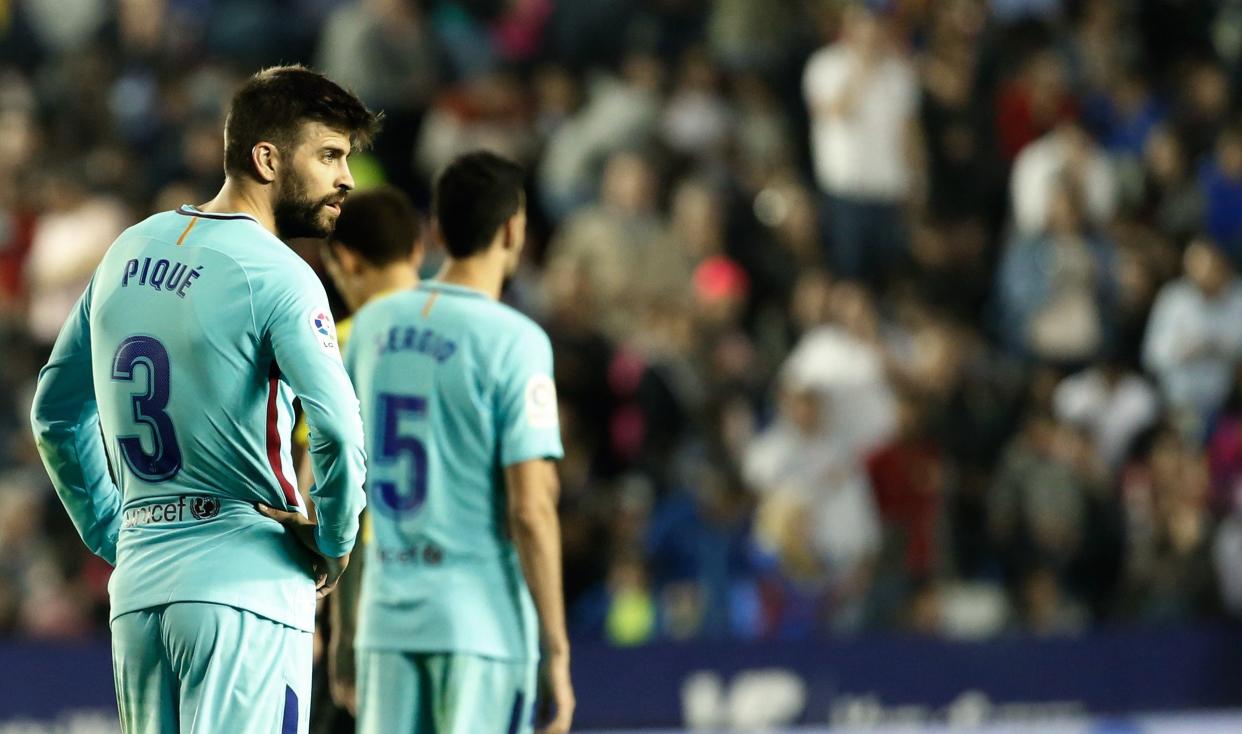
(915, 315)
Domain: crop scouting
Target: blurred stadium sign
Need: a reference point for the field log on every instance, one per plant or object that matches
(881, 685)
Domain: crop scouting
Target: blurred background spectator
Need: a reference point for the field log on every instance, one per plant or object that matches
(874, 315)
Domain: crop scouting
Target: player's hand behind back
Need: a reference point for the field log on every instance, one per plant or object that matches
(558, 702)
(327, 570)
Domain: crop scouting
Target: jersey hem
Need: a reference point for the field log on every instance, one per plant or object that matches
(305, 624)
(440, 650)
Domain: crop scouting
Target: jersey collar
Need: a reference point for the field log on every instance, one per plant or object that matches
(189, 210)
(451, 288)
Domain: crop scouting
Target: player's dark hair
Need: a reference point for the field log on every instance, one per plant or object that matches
(378, 224)
(473, 197)
(273, 105)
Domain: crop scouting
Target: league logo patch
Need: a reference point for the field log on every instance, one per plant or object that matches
(204, 508)
(324, 329)
(541, 402)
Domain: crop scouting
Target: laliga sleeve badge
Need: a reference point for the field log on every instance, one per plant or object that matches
(541, 409)
(324, 329)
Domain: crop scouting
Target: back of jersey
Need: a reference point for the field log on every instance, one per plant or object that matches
(454, 387)
(194, 412)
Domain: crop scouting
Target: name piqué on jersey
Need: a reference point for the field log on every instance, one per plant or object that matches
(161, 274)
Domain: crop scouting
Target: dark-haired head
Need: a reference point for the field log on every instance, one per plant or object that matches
(293, 128)
(379, 225)
(376, 245)
(477, 198)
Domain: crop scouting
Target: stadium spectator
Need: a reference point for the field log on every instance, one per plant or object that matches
(1065, 157)
(620, 112)
(681, 155)
(1169, 571)
(1113, 403)
(1220, 180)
(71, 236)
(1193, 344)
(908, 476)
(862, 94)
(617, 244)
(817, 512)
(1033, 103)
(1169, 198)
(697, 119)
(1057, 289)
(1038, 504)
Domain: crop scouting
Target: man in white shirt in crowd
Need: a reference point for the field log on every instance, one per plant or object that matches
(1113, 402)
(1066, 154)
(1193, 342)
(862, 94)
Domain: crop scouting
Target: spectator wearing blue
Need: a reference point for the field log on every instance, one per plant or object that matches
(1220, 178)
(1055, 289)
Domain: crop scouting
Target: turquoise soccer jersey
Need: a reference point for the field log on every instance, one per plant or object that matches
(164, 413)
(454, 387)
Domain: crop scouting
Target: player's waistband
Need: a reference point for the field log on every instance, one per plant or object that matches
(188, 508)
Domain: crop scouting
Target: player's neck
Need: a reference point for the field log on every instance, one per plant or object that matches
(479, 273)
(235, 198)
(399, 277)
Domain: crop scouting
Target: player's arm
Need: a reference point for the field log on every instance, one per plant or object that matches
(311, 362)
(530, 441)
(343, 607)
(65, 421)
(532, 488)
(342, 669)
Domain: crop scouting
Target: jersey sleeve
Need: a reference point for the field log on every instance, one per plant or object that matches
(528, 422)
(65, 421)
(303, 340)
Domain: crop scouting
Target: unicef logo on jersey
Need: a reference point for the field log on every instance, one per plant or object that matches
(204, 508)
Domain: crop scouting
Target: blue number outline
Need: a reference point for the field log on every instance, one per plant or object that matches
(148, 409)
(393, 444)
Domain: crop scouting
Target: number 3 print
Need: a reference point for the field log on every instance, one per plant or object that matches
(149, 409)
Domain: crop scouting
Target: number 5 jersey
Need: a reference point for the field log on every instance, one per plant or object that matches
(454, 387)
(164, 412)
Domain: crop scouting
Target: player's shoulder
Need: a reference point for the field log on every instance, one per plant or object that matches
(158, 226)
(505, 324)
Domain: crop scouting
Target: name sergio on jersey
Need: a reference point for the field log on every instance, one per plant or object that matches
(411, 339)
(163, 275)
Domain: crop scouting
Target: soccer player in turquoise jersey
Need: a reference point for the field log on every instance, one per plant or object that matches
(162, 418)
(462, 581)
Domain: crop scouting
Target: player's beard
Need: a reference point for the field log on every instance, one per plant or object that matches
(297, 215)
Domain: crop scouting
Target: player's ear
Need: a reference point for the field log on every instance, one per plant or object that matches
(265, 158)
(513, 233)
(418, 252)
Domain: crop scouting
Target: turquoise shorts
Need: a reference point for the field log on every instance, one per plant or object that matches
(209, 668)
(439, 693)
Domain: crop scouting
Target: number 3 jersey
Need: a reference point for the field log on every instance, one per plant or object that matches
(454, 387)
(164, 412)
